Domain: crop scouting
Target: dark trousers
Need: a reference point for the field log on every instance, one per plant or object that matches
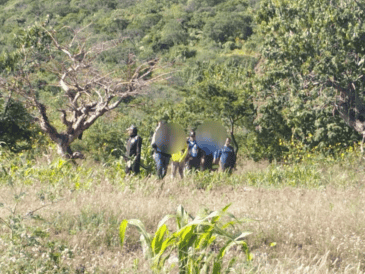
(162, 162)
(225, 167)
(193, 162)
(208, 162)
(135, 168)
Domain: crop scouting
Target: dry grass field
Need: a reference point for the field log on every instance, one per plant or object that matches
(57, 228)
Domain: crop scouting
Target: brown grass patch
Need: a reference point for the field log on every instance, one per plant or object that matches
(294, 230)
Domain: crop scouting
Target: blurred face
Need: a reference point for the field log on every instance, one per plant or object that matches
(192, 137)
(228, 142)
(130, 132)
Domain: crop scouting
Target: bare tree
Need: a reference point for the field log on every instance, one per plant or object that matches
(89, 90)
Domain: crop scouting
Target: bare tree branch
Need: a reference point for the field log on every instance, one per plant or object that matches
(90, 90)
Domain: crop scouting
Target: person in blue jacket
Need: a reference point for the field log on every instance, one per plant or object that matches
(194, 155)
(161, 159)
(226, 156)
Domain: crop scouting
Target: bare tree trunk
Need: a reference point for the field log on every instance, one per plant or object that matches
(62, 140)
(353, 115)
(233, 137)
(64, 150)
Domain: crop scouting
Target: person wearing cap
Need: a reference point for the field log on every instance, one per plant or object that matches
(178, 162)
(193, 160)
(226, 157)
(133, 151)
(161, 159)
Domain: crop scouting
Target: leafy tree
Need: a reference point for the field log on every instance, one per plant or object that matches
(222, 92)
(227, 26)
(88, 90)
(15, 123)
(313, 66)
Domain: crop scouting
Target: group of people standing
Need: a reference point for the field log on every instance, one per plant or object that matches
(191, 157)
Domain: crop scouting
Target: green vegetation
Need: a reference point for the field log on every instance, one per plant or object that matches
(60, 218)
(228, 60)
(16, 130)
(286, 78)
(191, 243)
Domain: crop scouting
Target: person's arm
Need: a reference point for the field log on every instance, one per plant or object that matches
(185, 154)
(188, 148)
(216, 156)
(153, 141)
(139, 148)
(127, 149)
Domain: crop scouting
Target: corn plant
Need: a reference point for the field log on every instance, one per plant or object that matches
(199, 244)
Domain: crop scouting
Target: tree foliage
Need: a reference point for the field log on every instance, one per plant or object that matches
(312, 67)
(15, 123)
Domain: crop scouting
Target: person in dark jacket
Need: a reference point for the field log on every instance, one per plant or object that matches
(133, 151)
(226, 157)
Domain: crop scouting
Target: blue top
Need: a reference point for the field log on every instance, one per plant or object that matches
(193, 148)
(226, 155)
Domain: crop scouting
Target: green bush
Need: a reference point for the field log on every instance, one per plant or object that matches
(16, 128)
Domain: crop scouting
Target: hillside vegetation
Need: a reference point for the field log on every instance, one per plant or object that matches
(286, 79)
(221, 62)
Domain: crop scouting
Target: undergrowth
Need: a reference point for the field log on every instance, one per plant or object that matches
(33, 240)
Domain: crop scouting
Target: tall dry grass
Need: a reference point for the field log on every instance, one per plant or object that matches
(294, 230)
(314, 226)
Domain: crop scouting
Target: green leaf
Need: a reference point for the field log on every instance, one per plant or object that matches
(182, 217)
(272, 244)
(203, 239)
(243, 235)
(139, 225)
(157, 240)
(164, 220)
(122, 230)
(230, 265)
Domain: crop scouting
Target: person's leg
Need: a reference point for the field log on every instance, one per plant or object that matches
(136, 167)
(209, 161)
(174, 166)
(189, 164)
(127, 170)
(165, 162)
(196, 163)
(181, 170)
(157, 158)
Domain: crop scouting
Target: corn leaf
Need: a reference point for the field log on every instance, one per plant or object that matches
(122, 230)
(156, 243)
(164, 220)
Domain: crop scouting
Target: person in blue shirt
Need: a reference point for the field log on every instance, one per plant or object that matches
(194, 155)
(226, 156)
(161, 159)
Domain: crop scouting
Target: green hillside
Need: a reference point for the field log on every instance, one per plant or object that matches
(233, 61)
(284, 78)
